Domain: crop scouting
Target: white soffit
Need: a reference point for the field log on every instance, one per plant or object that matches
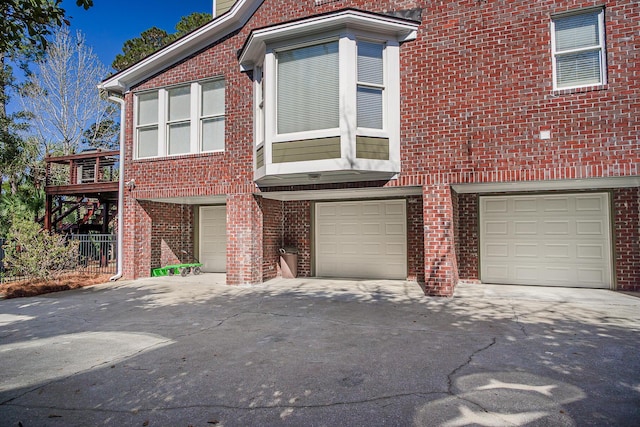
(343, 193)
(199, 39)
(254, 49)
(569, 184)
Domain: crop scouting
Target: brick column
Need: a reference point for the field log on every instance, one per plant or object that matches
(244, 240)
(137, 240)
(440, 267)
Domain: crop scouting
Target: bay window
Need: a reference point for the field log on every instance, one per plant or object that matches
(327, 97)
(180, 120)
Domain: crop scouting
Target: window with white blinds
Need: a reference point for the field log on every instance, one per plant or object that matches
(578, 49)
(308, 88)
(180, 120)
(212, 116)
(178, 123)
(370, 85)
(147, 125)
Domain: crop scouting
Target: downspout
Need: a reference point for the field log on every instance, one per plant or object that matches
(120, 237)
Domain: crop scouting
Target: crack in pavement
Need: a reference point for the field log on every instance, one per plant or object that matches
(236, 407)
(517, 320)
(464, 365)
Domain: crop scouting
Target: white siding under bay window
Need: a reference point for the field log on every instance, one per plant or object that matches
(578, 49)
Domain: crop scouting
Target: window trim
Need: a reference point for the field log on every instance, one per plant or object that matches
(601, 47)
(348, 56)
(195, 120)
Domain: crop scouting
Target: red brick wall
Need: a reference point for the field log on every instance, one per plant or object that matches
(297, 232)
(271, 236)
(477, 119)
(163, 231)
(245, 241)
(441, 270)
(415, 239)
(626, 208)
(467, 242)
(480, 116)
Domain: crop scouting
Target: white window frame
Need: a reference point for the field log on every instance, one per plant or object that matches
(347, 51)
(195, 119)
(600, 47)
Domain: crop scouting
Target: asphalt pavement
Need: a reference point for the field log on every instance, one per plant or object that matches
(192, 351)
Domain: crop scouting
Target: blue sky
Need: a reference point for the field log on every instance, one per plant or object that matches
(109, 23)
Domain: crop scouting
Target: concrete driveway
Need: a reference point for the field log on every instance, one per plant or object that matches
(193, 352)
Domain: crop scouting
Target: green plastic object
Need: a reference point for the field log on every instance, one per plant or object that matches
(181, 269)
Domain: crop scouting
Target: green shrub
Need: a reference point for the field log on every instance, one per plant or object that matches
(32, 252)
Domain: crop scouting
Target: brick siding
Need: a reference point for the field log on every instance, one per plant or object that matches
(626, 208)
(476, 92)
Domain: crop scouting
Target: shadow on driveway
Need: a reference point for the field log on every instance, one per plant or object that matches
(192, 351)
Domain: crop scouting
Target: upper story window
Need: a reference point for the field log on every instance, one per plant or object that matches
(578, 45)
(180, 120)
(308, 88)
(328, 87)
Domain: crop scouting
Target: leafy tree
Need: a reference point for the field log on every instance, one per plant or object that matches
(102, 134)
(154, 39)
(138, 48)
(27, 23)
(191, 22)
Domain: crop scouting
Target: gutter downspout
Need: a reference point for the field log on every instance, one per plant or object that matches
(120, 237)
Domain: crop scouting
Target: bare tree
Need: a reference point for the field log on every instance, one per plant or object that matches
(62, 96)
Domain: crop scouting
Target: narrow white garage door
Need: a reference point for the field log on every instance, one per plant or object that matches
(213, 238)
(548, 240)
(363, 239)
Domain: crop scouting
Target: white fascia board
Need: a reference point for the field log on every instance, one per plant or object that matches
(342, 193)
(199, 39)
(254, 49)
(568, 184)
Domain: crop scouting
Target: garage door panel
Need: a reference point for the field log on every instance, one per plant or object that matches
(526, 250)
(496, 205)
(556, 228)
(497, 227)
(589, 204)
(555, 204)
(213, 238)
(562, 240)
(523, 206)
(590, 251)
(397, 229)
(590, 227)
(370, 241)
(557, 250)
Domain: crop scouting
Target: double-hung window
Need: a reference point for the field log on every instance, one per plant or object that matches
(578, 45)
(370, 95)
(183, 119)
(147, 125)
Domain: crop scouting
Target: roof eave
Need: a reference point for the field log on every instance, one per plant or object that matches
(199, 39)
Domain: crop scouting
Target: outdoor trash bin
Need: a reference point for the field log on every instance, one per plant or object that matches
(289, 262)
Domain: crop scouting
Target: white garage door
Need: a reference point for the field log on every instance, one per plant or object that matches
(213, 238)
(548, 240)
(364, 239)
